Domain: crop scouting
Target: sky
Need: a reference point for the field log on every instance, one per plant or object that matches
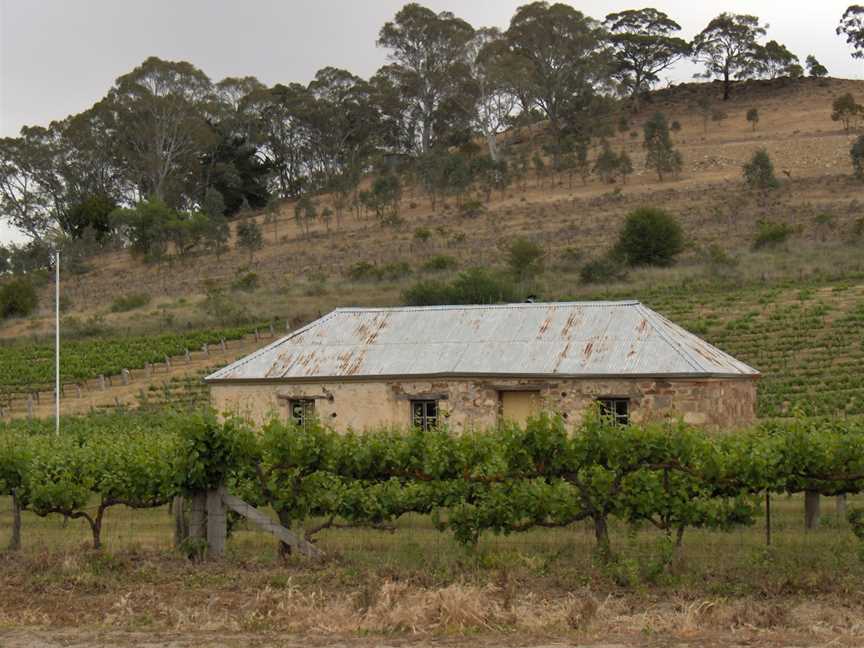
(58, 57)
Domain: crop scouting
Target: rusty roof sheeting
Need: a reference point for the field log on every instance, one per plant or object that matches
(564, 338)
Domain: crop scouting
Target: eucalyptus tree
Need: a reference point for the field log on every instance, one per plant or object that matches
(814, 67)
(161, 127)
(492, 97)
(563, 60)
(282, 134)
(852, 28)
(729, 48)
(427, 62)
(643, 44)
(32, 193)
(774, 60)
(343, 122)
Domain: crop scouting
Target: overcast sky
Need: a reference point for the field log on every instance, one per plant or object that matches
(58, 57)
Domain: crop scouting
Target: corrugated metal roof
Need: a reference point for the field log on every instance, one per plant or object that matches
(561, 339)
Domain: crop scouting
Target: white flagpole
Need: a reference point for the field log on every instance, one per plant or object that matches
(57, 342)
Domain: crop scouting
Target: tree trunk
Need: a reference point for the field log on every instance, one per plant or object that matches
(493, 146)
(727, 85)
(181, 521)
(285, 521)
(601, 535)
(15, 539)
(811, 510)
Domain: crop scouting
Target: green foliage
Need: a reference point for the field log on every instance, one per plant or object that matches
(644, 44)
(439, 263)
(247, 282)
(660, 152)
(729, 48)
(474, 286)
(384, 198)
(856, 153)
(18, 298)
(210, 451)
(129, 302)
(26, 365)
(759, 171)
(604, 269)
(525, 258)
(847, 111)
(506, 479)
(92, 213)
(815, 68)
(649, 237)
(771, 234)
(249, 237)
(611, 166)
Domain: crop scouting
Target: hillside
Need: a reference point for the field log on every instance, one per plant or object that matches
(748, 301)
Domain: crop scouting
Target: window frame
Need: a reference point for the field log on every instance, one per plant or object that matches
(609, 409)
(307, 411)
(425, 421)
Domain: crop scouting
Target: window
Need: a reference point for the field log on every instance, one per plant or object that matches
(617, 409)
(424, 414)
(301, 411)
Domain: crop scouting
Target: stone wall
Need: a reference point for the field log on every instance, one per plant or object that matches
(474, 403)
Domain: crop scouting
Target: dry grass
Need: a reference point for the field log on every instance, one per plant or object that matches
(726, 589)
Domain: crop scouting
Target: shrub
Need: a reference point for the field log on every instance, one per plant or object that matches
(474, 286)
(649, 237)
(525, 258)
(394, 271)
(129, 302)
(675, 126)
(422, 234)
(363, 271)
(427, 293)
(857, 155)
(759, 171)
(18, 298)
(472, 209)
(439, 263)
(770, 234)
(602, 270)
(753, 117)
(247, 283)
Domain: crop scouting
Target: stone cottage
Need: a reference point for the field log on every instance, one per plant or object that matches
(472, 366)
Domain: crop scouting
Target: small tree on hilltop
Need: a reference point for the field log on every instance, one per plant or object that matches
(249, 237)
(608, 164)
(753, 117)
(305, 212)
(857, 155)
(649, 237)
(759, 171)
(847, 111)
(661, 154)
(815, 68)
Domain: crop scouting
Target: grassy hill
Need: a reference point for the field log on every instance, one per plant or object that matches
(793, 310)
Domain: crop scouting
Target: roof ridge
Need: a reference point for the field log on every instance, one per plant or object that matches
(685, 355)
(595, 303)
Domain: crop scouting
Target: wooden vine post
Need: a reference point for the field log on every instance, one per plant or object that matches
(811, 510)
(208, 522)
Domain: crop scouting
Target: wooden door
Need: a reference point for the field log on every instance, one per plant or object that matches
(518, 406)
